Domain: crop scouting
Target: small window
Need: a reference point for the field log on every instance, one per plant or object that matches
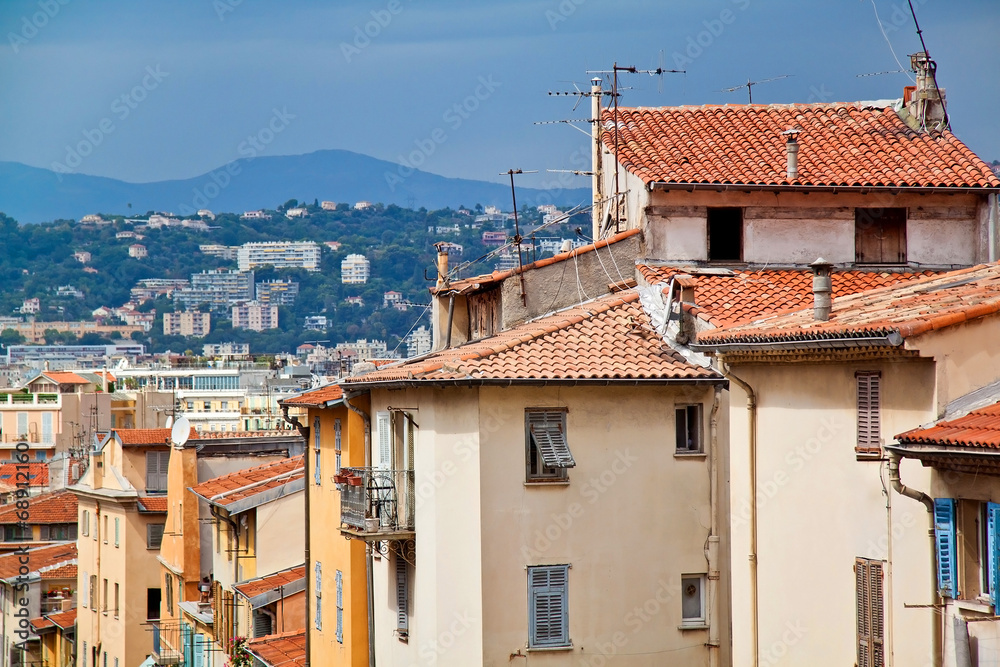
(154, 535)
(317, 471)
(870, 606)
(687, 422)
(117, 531)
(402, 598)
(83, 582)
(93, 592)
(546, 448)
(208, 406)
(336, 444)
(85, 523)
(169, 588)
(152, 603)
(117, 601)
(340, 606)
(725, 234)
(880, 235)
(156, 471)
(104, 602)
(318, 593)
(869, 414)
(105, 538)
(548, 606)
(693, 599)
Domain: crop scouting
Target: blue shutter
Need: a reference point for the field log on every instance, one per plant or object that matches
(548, 613)
(317, 473)
(340, 607)
(187, 641)
(992, 560)
(199, 650)
(319, 596)
(944, 539)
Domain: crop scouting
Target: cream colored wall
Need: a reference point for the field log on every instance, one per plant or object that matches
(280, 540)
(819, 508)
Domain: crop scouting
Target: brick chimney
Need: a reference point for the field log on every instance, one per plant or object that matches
(925, 102)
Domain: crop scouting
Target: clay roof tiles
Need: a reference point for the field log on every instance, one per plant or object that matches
(37, 473)
(52, 555)
(287, 649)
(608, 338)
(979, 428)
(58, 507)
(317, 398)
(152, 503)
(62, 619)
(840, 145)
(908, 309)
(61, 572)
(146, 436)
(260, 585)
(249, 482)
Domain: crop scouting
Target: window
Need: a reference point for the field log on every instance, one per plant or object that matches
(868, 581)
(84, 593)
(317, 474)
(725, 234)
(93, 592)
(336, 444)
(152, 603)
(16, 532)
(880, 235)
(340, 606)
(208, 406)
(117, 601)
(261, 623)
(547, 452)
(687, 422)
(22, 425)
(402, 598)
(47, 437)
(104, 597)
(105, 529)
(869, 414)
(693, 600)
(318, 592)
(154, 535)
(85, 522)
(168, 581)
(190, 405)
(548, 606)
(944, 542)
(384, 427)
(117, 530)
(156, 471)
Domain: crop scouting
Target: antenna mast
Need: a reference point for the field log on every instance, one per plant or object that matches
(517, 230)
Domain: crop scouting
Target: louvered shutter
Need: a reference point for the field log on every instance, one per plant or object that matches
(47, 428)
(992, 559)
(84, 582)
(337, 443)
(402, 618)
(340, 606)
(187, 642)
(864, 622)
(154, 535)
(869, 413)
(548, 616)
(384, 427)
(876, 613)
(317, 473)
(261, 624)
(547, 431)
(319, 596)
(199, 650)
(944, 539)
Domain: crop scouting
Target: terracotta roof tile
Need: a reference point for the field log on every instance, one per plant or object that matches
(255, 587)
(65, 377)
(58, 507)
(978, 428)
(747, 294)
(242, 484)
(283, 650)
(908, 309)
(38, 473)
(607, 338)
(316, 398)
(41, 623)
(145, 436)
(478, 282)
(843, 145)
(153, 503)
(61, 572)
(63, 553)
(64, 619)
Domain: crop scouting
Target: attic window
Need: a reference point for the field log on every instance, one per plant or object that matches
(725, 234)
(880, 235)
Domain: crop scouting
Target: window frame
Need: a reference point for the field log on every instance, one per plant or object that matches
(318, 464)
(717, 211)
(563, 640)
(701, 620)
(535, 470)
(866, 220)
(685, 409)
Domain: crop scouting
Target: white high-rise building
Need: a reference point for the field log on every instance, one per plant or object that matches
(279, 254)
(355, 270)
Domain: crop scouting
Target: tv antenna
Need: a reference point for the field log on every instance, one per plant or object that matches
(750, 84)
(890, 71)
(517, 229)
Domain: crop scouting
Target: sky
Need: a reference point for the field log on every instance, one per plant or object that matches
(169, 89)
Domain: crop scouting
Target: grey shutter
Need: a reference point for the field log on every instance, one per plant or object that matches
(318, 592)
(548, 616)
(261, 624)
(402, 619)
(317, 473)
(156, 470)
(869, 413)
(340, 606)
(548, 433)
(154, 535)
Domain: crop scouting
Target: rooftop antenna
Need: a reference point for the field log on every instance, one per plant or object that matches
(517, 229)
(931, 65)
(889, 71)
(750, 84)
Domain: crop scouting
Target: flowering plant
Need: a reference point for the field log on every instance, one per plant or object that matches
(238, 649)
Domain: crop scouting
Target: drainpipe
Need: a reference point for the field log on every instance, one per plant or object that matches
(992, 223)
(752, 473)
(369, 564)
(712, 550)
(920, 496)
(304, 432)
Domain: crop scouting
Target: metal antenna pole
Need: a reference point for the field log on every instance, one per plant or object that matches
(517, 230)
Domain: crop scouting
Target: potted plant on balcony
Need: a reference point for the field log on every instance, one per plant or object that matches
(355, 480)
(371, 524)
(340, 478)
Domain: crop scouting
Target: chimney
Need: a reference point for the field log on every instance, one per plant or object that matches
(442, 267)
(822, 289)
(926, 102)
(792, 153)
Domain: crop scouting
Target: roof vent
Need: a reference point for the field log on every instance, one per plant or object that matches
(792, 153)
(822, 289)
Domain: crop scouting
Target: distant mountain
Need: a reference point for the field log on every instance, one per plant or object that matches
(30, 194)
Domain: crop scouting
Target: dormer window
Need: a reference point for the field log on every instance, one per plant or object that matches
(880, 235)
(725, 234)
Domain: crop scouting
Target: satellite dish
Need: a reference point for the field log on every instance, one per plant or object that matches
(181, 431)
(170, 421)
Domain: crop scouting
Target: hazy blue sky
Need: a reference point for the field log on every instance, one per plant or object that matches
(164, 89)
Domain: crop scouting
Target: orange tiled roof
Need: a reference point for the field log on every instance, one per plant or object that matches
(63, 553)
(63, 619)
(281, 650)
(843, 145)
(153, 503)
(65, 377)
(58, 507)
(978, 428)
(41, 623)
(146, 436)
(60, 572)
(260, 585)
(38, 473)
(605, 339)
(316, 398)
(477, 282)
(906, 310)
(744, 294)
(242, 484)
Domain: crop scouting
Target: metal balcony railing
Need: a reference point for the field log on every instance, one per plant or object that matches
(382, 502)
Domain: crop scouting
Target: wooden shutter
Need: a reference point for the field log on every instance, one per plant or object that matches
(117, 530)
(156, 470)
(870, 612)
(402, 597)
(991, 560)
(84, 581)
(944, 540)
(318, 592)
(547, 430)
(384, 427)
(880, 235)
(548, 614)
(869, 413)
(340, 606)
(154, 535)
(317, 473)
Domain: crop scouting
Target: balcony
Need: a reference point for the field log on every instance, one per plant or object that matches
(20, 401)
(377, 504)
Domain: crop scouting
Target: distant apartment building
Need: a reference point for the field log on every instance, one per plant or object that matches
(205, 213)
(363, 205)
(82, 256)
(226, 349)
(31, 306)
(393, 300)
(255, 215)
(364, 350)
(328, 205)
(138, 251)
(255, 316)
(279, 254)
(418, 342)
(315, 323)
(355, 270)
(494, 238)
(277, 292)
(91, 218)
(78, 354)
(150, 288)
(354, 301)
(453, 249)
(34, 332)
(298, 212)
(187, 323)
(70, 291)
(218, 288)
(506, 261)
(220, 251)
(128, 235)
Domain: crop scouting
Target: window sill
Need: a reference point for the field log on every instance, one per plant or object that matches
(546, 482)
(978, 606)
(680, 454)
(698, 626)
(549, 649)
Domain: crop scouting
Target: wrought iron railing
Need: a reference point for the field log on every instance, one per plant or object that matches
(377, 500)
